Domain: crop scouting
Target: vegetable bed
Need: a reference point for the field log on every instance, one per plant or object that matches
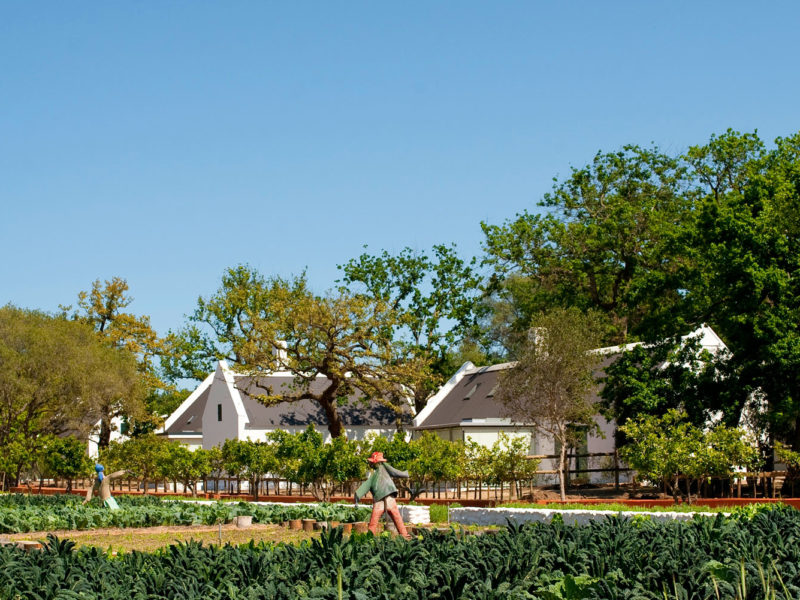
(707, 558)
(20, 513)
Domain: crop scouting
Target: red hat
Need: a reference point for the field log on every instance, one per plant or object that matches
(376, 457)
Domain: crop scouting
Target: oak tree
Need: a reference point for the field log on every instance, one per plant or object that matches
(56, 378)
(744, 246)
(104, 309)
(599, 241)
(220, 325)
(342, 339)
(435, 298)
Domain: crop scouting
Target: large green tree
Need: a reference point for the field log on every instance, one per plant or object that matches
(57, 376)
(599, 241)
(104, 309)
(435, 297)
(341, 339)
(744, 279)
(672, 374)
(220, 326)
(344, 339)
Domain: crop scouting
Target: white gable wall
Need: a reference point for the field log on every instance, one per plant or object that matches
(92, 446)
(234, 418)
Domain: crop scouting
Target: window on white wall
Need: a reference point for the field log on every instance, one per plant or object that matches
(219, 412)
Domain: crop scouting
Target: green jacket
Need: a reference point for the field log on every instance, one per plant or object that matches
(380, 482)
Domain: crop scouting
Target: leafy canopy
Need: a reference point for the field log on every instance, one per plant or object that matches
(599, 243)
(342, 339)
(665, 448)
(57, 376)
(435, 298)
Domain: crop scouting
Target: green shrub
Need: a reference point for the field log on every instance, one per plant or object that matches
(440, 513)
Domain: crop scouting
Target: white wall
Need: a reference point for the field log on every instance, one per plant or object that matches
(191, 442)
(487, 436)
(215, 432)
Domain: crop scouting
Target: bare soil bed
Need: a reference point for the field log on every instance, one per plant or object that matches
(148, 539)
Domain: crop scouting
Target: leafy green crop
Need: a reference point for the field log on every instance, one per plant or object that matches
(614, 559)
(20, 513)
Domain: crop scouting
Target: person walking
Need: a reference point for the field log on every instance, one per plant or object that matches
(384, 492)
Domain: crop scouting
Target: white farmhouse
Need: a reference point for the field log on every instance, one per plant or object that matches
(225, 406)
(465, 409)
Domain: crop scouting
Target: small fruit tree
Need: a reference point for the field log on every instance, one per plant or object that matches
(669, 448)
(304, 458)
(64, 458)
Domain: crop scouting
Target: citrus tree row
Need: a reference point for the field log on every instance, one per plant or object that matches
(301, 458)
(661, 449)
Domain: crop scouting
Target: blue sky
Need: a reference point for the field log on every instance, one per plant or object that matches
(163, 142)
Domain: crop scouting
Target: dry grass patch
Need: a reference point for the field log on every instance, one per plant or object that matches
(148, 539)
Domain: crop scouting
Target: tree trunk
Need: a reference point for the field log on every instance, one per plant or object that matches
(105, 432)
(420, 400)
(562, 467)
(328, 403)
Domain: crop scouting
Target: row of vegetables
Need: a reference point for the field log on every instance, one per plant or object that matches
(20, 513)
(616, 559)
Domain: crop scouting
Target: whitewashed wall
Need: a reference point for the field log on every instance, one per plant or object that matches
(215, 432)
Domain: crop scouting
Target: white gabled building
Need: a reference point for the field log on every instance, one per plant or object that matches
(224, 406)
(464, 409)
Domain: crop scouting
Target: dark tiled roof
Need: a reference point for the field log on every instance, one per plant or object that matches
(473, 396)
(192, 419)
(469, 399)
(353, 410)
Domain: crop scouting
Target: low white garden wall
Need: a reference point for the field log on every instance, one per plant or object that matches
(499, 516)
(419, 515)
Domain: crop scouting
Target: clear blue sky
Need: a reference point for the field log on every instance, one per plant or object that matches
(165, 141)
